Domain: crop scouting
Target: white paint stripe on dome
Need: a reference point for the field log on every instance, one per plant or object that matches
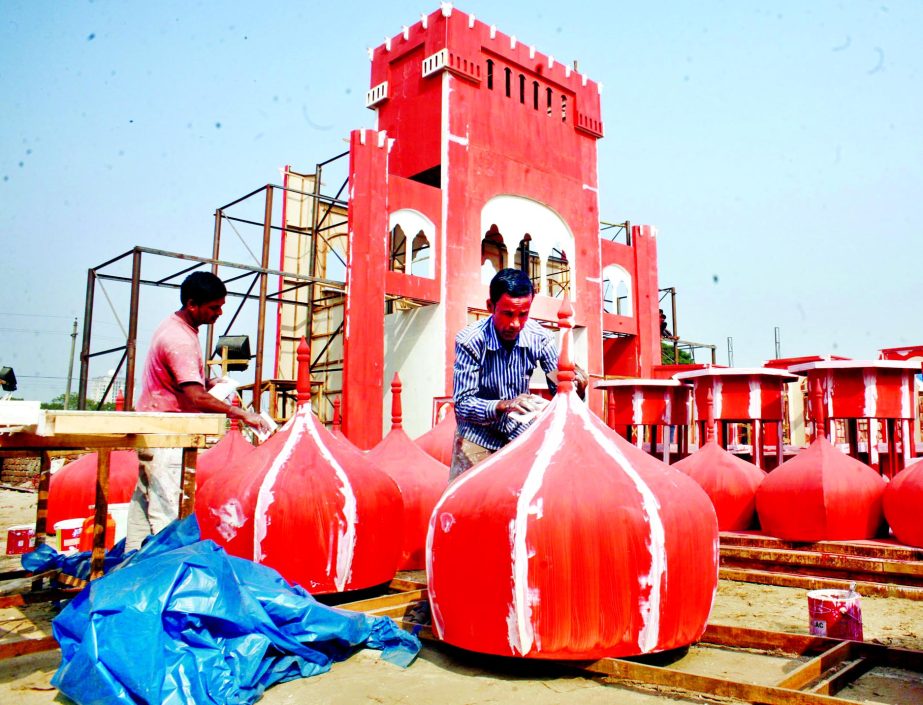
(522, 636)
(346, 540)
(454, 486)
(265, 495)
(650, 608)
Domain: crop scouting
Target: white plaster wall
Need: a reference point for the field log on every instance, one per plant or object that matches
(415, 349)
(515, 216)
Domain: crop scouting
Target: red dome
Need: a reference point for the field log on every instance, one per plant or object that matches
(72, 491)
(902, 501)
(821, 495)
(729, 482)
(581, 545)
(231, 448)
(439, 440)
(310, 507)
(420, 478)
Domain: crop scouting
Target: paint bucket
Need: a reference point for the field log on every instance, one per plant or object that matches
(68, 534)
(119, 513)
(835, 613)
(86, 533)
(20, 539)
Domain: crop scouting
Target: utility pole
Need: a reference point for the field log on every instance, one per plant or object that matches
(778, 343)
(730, 352)
(70, 366)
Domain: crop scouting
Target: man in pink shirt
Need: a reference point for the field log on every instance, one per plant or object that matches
(174, 381)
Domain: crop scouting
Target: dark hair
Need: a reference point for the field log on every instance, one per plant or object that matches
(510, 281)
(200, 288)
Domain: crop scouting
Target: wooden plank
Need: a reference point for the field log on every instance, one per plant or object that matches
(372, 603)
(708, 685)
(871, 548)
(825, 561)
(36, 597)
(101, 512)
(771, 642)
(809, 582)
(92, 442)
(402, 584)
(130, 422)
(20, 647)
(22, 583)
(835, 682)
(817, 667)
(398, 612)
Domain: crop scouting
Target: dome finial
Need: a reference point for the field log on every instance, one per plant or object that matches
(395, 402)
(235, 424)
(303, 385)
(565, 364)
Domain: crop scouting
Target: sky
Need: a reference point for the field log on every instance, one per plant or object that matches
(776, 146)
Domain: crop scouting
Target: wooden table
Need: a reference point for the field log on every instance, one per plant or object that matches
(104, 432)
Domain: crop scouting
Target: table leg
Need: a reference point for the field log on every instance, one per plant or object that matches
(100, 517)
(41, 505)
(187, 496)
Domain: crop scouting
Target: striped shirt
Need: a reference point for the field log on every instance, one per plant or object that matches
(486, 372)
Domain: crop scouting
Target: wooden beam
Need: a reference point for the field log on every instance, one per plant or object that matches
(871, 548)
(401, 584)
(809, 582)
(130, 422)
(817, 666)
(826, 562)
(93, 442)
(372, 603)
(21, 647)
(771, 642)
(835, 682)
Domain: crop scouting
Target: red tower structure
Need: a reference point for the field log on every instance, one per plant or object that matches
(484, 157)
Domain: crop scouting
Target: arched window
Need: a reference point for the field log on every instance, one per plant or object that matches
(617, 291)
(509, 81)
(548, 96)
(493, 254)
(490, 74)
(563, 108)
(535, 95)
(558, 272)
(522, 88)
(397, 261)
(421, 261)
(533, 266)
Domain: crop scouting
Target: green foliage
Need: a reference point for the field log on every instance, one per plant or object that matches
(58, 403)
(666, 355)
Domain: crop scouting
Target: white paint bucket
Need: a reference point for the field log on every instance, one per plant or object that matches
(119, 513)
(67, 533)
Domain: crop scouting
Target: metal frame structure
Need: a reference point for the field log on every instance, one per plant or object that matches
(252, 276)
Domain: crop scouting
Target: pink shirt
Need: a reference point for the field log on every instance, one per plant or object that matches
(175, 358)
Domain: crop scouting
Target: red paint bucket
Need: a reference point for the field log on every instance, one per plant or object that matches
(20, 539)
(835, 613)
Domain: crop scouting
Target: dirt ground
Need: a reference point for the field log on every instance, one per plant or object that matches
(450, 677)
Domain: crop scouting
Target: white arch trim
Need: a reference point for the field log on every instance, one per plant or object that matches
(615, 274)
(413, 222)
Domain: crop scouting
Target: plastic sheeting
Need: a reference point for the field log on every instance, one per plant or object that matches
(44, 557)
(181, 621)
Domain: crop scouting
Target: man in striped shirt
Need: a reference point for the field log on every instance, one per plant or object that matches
(494, 361)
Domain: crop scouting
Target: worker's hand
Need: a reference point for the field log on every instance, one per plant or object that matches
(523, 404)
(256, 422)
(581, 379)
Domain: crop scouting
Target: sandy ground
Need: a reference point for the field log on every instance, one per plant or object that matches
(450, 677)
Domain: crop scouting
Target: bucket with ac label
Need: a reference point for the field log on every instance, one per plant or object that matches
(835, 613)
(68, 533)
(20, 539)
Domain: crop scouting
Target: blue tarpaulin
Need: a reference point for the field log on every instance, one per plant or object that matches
(181, 621)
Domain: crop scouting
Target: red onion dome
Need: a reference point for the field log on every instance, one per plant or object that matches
(232, 447)
(72, 490)
(729, 482)
(585, 546)
(420, 478)
(440, 439)
(902, 502)
(821, 495)
(307, 505)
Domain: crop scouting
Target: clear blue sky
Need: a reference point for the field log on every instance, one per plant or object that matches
(777, 146)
